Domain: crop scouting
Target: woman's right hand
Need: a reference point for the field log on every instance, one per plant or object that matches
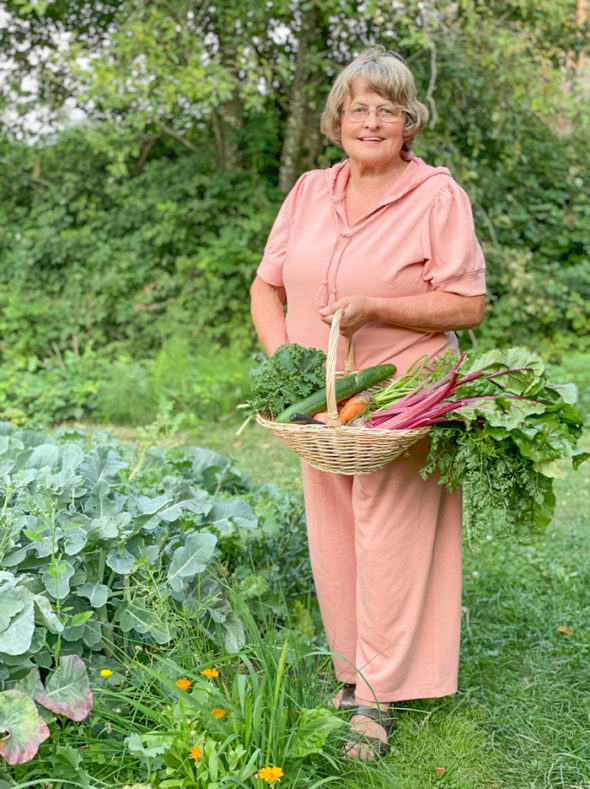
(357, 310)
(434, 311)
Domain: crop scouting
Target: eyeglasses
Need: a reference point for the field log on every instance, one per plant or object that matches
(357, 113)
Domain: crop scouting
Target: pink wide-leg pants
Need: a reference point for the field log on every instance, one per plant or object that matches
(386, 558)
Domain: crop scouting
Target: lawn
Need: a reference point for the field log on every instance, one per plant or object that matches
(521, 717)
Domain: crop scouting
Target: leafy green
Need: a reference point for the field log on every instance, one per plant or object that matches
(504, 452)
(316, 726)
(26, 729)
(85, 530)
(291, 373)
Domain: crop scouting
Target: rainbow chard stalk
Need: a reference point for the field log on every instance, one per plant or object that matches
(430, 403)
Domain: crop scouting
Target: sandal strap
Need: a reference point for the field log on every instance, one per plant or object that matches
(347, 701)
(383, 717)
(379, 747)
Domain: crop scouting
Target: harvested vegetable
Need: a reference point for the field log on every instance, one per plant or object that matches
(353, 407)
(291, 373)
(501, 432)
(430, 401)
(344, 387)
(403, 385)
(303, 419)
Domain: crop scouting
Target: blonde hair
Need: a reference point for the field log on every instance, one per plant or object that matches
(387, 74)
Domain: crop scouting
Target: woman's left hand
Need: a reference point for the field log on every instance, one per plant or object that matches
(357, 310)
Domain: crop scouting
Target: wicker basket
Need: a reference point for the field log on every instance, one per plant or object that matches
(340, 448)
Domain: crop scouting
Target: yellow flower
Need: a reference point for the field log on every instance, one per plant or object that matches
(195, 753)
(105, 673)
(271, 774)
(183, 684)
(210, 672)
(218, 713)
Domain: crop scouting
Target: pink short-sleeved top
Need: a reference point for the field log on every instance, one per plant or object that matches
(420, 238)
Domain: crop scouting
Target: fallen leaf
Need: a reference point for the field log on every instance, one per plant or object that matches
(565, 630)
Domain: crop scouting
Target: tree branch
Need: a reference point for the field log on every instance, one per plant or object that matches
(432, 86)
(178, 136)
(145, 149)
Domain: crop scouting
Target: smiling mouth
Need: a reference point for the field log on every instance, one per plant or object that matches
(370, 139)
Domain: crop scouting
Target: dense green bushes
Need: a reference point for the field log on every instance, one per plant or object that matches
(120, 296)
(90, 260)
(529, 192)
(197, 384)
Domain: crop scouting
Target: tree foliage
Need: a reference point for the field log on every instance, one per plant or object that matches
(149, 217)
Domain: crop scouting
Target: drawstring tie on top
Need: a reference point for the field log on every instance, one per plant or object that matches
(325, 296)
(326, 293)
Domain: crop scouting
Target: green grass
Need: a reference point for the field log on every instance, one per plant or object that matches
(526, 647)
(522, 715)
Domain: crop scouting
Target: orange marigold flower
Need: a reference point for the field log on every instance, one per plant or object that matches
(218, 713)
(105, 673)
(271, 774)
(195, 753)
(210, 672)
(183, 684)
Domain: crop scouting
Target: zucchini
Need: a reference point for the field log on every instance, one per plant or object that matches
(345, 387)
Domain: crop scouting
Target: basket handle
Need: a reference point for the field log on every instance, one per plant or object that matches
(333, 420)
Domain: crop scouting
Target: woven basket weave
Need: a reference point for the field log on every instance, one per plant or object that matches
(339, 448)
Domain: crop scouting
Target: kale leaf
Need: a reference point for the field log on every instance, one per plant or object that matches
(291, 373)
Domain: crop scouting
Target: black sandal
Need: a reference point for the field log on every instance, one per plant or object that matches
(347, 701)
(384, 718)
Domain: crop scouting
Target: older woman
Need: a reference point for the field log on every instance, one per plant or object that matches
(390, 240)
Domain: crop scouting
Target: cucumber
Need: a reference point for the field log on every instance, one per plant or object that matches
(345, 387)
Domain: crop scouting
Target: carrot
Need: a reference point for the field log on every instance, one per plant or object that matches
(354, 406)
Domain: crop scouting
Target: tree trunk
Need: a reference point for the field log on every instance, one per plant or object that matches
(581, 18)
(302, 143)
(228, 114)
(229, 121)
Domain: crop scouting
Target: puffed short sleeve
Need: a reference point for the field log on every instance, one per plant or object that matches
(454, 260)
(270, 268)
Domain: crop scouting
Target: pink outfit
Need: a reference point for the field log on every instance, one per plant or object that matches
(385, 547)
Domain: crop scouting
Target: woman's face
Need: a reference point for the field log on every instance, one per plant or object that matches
(371, 142)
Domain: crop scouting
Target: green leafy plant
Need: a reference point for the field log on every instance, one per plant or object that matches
(82, 540)
(66, 691)
(514, 432)
(96, 533)
(202, 715)
(289, 374)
